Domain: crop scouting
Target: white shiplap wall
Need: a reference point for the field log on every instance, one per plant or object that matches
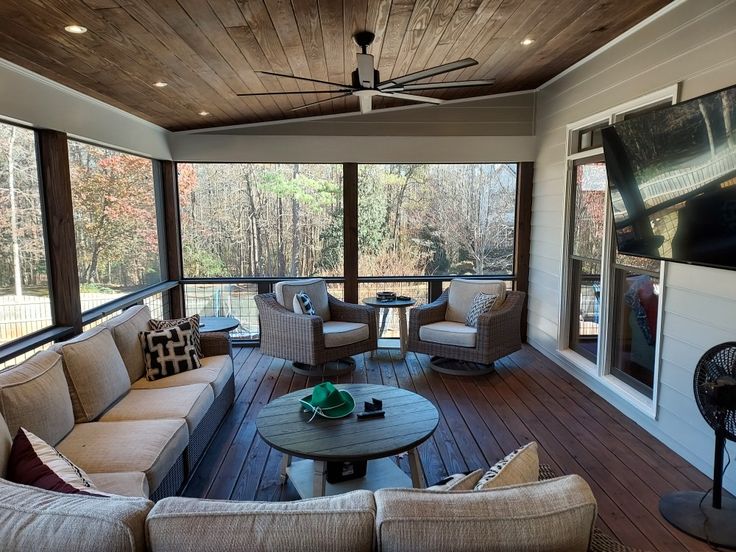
(693, 43)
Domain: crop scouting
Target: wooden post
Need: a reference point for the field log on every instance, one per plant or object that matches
(350, 230)
(58, 213)
(522, 234)
(172, 237)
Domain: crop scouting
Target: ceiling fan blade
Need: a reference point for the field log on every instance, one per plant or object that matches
(366, 104)
(306, 79)
(411, 97)
(320, 102)
(440, 85)
(427, 73)
(297, 92)
(366, 71)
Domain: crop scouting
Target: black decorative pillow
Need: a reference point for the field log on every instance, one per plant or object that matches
(303, 304)
(193, 320)
(482, 303)
(169, 351)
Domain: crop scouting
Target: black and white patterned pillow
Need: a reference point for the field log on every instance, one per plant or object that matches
(169, 351)
(155, 324)
(482, 303)
(303, 304)
(521, 466)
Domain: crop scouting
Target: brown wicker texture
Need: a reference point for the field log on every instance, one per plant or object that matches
(499, 331)
(215, 344)
(205, 431)
(601, 542)
(299, 337)
(174, 480)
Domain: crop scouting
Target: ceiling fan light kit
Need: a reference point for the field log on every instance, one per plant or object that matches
(367, 82)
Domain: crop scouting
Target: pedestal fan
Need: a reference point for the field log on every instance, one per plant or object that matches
(714, 384)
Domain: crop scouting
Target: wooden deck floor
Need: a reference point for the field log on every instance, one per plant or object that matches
(527, 398)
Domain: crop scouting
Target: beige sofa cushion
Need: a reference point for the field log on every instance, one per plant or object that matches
(191, 402)
(462, 292)
(132, 484)
(6, 443)
(339, 334)
(316, 288)
(95, 372)
(215, 370)
(35, 395)
(150, 446)
(35, 519)
(449, 333)
(342, 523)
(124, 329)
(557, 514)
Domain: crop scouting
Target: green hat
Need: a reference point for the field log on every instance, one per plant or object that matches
(328, 401)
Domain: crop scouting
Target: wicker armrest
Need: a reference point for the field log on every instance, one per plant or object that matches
(215, 343)
(503, 324)
(431, 312)
(350, 312)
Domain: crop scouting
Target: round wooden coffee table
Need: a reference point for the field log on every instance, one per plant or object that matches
(409, 421)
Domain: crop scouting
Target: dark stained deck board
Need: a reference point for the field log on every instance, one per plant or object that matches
(528, 398)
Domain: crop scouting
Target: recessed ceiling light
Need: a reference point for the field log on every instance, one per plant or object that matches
(527, 41)
(204, 113)
(75, 29)
(160, 84)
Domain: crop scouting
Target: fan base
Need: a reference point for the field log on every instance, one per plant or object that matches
(684, 511)
(364, 38)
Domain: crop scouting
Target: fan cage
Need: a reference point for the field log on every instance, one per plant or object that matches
(717, 361)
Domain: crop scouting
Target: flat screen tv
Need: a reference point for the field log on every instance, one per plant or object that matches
(672, 177)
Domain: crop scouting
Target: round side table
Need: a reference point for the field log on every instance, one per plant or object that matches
(401, 305)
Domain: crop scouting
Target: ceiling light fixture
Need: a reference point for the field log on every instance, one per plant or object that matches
(204, 113)
(75, 29)
(160, 84)
(527, 42)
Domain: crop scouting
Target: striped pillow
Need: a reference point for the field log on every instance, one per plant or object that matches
(34, 462)
(482, 303)
(193, 321)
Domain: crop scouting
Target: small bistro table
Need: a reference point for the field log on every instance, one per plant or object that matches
(210, 324)
(399, 304)
(410, 420)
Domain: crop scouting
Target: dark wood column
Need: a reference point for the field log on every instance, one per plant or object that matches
(172, 227)
(58, 211)
(350, 229)
(522, 234)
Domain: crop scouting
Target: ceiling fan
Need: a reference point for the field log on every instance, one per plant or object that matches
(367, 83)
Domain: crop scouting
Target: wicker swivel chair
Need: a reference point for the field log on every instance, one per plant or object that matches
(316, 345)
(439, 329)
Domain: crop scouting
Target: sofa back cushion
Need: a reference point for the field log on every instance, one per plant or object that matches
(316, 288)
(6, 443)
(36, 519)
(124, 329)
(557, 514)
(95, 372)
(35, 395)
(341, 523)
(463, 291)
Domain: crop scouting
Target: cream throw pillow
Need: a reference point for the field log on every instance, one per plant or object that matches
(458, 482)
(521, 466)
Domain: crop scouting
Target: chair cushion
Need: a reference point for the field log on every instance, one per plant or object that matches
(449, 333)
(338, 334)
(341, 523)
(521, 466)
(462, 293)
(36, 519)
(6, 443)
(215, 370)
(169, 351)
(148, 446)
(95, 372)
(557, 514)
(125, 329)
(35, 395)
(190, 402)
(316, 288)
(122, 483)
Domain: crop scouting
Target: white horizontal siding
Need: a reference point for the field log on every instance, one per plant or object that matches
(694, 44)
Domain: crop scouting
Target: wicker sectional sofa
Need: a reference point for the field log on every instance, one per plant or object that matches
(90, 399)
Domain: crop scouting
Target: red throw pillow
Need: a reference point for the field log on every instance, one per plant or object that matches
(34, 462)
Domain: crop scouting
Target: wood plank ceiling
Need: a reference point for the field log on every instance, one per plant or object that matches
(209, 50)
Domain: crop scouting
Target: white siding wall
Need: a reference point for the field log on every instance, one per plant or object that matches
(693, 43)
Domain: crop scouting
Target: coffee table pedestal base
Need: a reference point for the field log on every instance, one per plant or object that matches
(380, 474)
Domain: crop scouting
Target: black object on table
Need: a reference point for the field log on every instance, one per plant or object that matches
(211, 324)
